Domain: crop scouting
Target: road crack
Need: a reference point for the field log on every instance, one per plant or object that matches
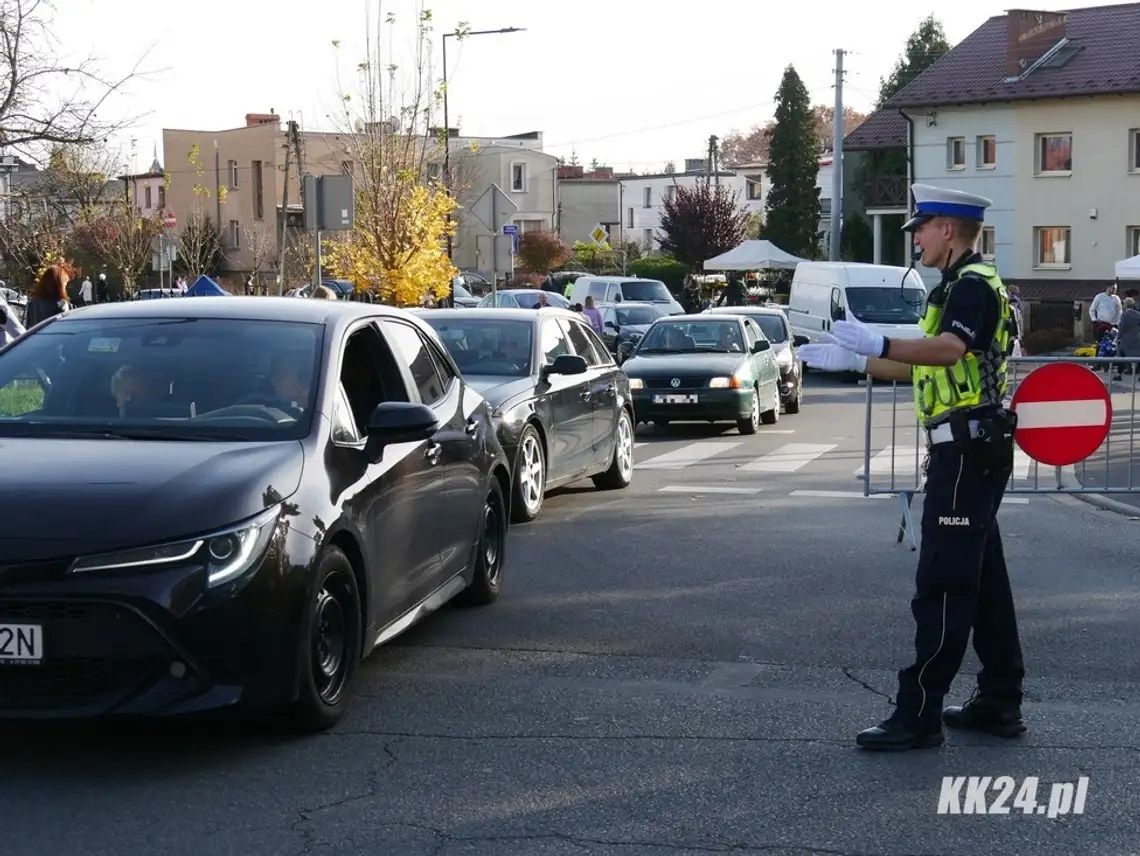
(867, 686)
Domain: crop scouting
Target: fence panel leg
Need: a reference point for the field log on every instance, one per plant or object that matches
(906, 525)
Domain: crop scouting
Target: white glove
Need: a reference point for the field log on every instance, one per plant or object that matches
(858, 337)
(832, 358)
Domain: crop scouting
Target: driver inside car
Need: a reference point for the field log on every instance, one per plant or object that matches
(135, 385)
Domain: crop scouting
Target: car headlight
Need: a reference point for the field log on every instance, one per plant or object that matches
(784, 359)
(636, 383)
(226, 554)
(725, 383)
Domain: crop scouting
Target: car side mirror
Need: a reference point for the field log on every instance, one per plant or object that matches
(838, 313)
(402, 422)
(800, 340)
(565, 364)
(612, 325)
(760, 345)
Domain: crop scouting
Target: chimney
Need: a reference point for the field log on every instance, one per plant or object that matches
(696, 164)
(252, 119)
(603, 173)
(1028, 36)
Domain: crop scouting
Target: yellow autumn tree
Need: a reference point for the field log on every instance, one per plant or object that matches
(397, 248)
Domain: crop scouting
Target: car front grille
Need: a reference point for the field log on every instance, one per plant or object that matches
(667, 382)
(69, 682)
(94, 654)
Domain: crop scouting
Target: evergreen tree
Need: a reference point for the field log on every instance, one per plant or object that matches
(925, 47)
(792, 221)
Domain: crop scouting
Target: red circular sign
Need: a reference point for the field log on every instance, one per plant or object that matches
(1063, 413)
(169, 220)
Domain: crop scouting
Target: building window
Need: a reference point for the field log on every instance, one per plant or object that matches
(518, 178)
(646, 197)
(956, 153)
(258, 191)
(987, 152)
(670, 193)
(235, 235)
(146, 196)
(1134, 154)
(989, 249)
(752, 188)
(1133, 241)
(233, 173)
(1052, 247)
(1054, 154)
(162, 196)
(647, 237)
(629, 219)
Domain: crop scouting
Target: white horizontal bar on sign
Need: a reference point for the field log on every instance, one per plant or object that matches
(1060, 414)
(789, 458)
(685, 456)
(693, 488)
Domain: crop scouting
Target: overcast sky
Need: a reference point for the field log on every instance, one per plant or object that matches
(632, 83)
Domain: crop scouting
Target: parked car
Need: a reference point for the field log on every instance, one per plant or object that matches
(464, 299)
(231, 502)
(562, 409)
(522, 298)
(623, 325)
(705, 368)
(622, 289)
(778, 331)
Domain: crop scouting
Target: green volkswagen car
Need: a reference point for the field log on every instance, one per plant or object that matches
(706, 368)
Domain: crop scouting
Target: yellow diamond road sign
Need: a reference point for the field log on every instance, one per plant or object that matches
(599, 234)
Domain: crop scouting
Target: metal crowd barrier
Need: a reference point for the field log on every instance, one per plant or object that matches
(898, 467)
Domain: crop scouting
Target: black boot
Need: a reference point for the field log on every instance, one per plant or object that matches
(986, 713)
(901, 732)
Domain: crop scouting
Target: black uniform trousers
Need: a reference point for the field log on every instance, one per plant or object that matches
(961, 584)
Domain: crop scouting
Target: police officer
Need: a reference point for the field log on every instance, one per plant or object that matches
(959, 375)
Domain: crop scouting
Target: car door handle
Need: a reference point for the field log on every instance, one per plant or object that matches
(611, 390)
(584, 395)
(472, 428)
(433, 453)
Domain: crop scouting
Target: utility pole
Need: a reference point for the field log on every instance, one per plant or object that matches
(715, 170)
(837, 162)
(284, 212)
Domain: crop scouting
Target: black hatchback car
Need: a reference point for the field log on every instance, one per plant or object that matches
(562, 409)
(230, 501)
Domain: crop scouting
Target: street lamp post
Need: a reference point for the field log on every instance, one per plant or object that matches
(459, 34)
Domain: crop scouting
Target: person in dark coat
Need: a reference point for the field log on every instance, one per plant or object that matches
(733, 293)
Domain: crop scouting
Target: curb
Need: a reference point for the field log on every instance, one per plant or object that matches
(1069, 477)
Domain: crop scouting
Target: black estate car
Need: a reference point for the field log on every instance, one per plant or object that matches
(774, 323)
(562, 409)
(230, 501)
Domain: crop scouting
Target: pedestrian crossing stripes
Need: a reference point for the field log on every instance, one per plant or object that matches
(789, 458)
(793, 457)
(686, 456)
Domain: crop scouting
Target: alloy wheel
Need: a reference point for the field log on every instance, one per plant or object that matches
(531, 473)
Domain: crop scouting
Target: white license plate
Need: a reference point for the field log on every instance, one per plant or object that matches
(21, 644)
(690, 398)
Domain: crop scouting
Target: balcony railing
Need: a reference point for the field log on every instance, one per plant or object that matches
(888, 191)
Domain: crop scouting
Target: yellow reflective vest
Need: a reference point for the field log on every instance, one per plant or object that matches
(978, 379)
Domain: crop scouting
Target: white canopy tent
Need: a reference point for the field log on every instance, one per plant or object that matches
(753, 255)
(1127, 269)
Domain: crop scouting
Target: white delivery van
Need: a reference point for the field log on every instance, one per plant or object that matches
(886, 298)
(619, 289)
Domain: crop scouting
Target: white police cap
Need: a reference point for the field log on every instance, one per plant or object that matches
(931, 201)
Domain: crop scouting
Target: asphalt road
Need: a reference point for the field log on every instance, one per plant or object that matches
(680, 667)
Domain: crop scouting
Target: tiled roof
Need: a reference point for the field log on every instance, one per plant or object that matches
(1107, 61)
(883, 129)
(1058, 290)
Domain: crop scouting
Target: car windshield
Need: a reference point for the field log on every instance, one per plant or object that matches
(645, 289)
(773, 326)
(639, 315)
(673, 337)
(483, 346)
(886, 305)
(162, 378)
(460, 291)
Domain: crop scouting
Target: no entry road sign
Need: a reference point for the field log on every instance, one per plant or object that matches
(1063, 414)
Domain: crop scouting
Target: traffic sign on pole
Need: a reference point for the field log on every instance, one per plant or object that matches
(1063, 413)
(512, 229)
(169, 219)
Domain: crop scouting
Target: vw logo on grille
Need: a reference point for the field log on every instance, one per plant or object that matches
(675, 382)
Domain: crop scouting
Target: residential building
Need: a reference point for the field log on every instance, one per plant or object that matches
(146, 192)
(586, 200)
(1040, 112)
(876, 187)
